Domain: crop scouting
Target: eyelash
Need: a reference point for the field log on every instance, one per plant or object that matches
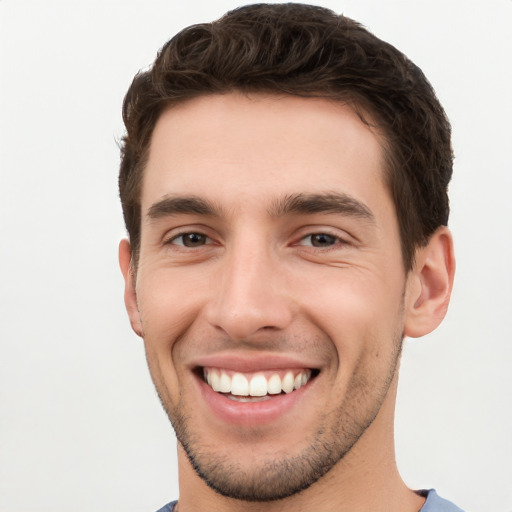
(334, 240)
(172, 240)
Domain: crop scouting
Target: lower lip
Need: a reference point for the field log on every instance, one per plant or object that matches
(251, 413)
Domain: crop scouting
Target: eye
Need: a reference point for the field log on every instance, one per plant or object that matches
(320, 240)
(190, 240)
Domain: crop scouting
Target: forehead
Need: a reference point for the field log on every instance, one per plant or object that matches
(235, 148)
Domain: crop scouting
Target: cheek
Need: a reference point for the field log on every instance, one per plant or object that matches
(163, 379)
(169, 303)
(361, 313)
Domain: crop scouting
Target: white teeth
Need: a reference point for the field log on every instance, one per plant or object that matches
(214, 381)
(274, 385)
(225, 383)
(288, 382)
(256, 386)
(239, 385)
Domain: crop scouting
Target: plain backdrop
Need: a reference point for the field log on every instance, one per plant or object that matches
(80, 426)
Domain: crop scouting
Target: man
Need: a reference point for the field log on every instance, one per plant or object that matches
(284, 185)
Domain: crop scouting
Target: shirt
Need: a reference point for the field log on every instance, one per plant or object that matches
(434, 503)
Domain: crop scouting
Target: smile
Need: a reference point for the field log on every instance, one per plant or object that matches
(258, 386)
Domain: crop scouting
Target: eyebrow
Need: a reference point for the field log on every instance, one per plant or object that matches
(332, 202)
(183, 205)
(301, 204)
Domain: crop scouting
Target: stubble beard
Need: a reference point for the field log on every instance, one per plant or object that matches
(274, 479)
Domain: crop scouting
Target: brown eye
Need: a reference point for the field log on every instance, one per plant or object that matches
(190, 240)
(322, 240)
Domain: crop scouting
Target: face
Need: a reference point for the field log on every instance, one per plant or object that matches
(270, 287)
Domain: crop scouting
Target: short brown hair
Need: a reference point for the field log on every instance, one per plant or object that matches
(308, 51)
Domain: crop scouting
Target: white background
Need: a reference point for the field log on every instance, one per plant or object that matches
(80, 425)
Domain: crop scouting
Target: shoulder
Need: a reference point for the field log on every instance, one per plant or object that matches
(435, 503)
(167, 508)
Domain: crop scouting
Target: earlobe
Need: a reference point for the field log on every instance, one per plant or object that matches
(430, 285)
(130, 295)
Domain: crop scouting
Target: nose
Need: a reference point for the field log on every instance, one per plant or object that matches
(251, 295)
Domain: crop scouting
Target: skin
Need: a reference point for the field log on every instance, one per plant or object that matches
(269, 284)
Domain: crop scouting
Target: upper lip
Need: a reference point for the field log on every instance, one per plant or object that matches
(253, 362)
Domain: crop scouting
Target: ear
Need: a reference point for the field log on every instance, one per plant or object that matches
(429, 285)
(130, 294)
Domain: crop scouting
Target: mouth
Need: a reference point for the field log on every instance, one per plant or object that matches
(256, 386)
